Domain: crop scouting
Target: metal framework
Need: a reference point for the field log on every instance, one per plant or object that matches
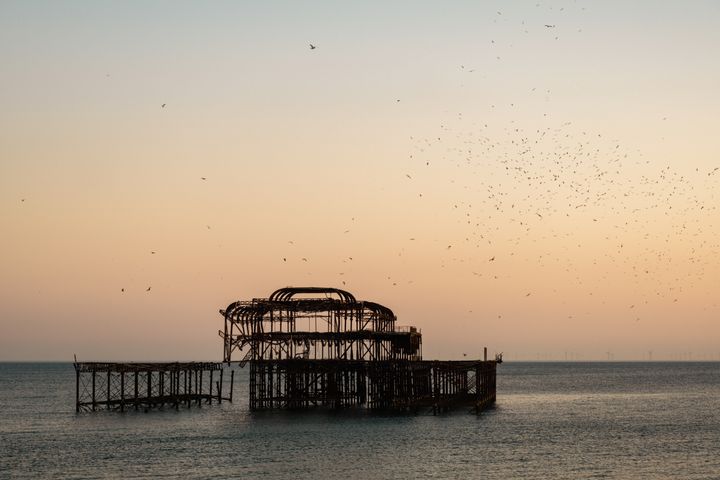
(320, 347)
(141, 386)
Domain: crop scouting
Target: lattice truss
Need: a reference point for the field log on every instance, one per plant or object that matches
(114, 386)
(316, 323)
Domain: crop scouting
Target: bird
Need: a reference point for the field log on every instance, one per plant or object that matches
(22, 200)
(122, 289)
(492, 259)
(408, 175)
(152, 253)
(148, 289)
(312, 47)
(203, 178)
(284, 259)
(304, 259)
(163, 105)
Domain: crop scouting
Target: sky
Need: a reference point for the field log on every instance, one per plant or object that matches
(541, 178)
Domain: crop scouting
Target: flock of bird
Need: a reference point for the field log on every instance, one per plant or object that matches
(557, 189)
(574, 196)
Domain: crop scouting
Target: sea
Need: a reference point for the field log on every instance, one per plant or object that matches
(551, 420)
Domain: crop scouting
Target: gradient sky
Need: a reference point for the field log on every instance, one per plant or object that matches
(417, 142)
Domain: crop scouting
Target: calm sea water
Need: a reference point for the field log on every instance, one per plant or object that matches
(552, 420)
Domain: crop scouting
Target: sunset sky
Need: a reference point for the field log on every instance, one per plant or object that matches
(541, 178)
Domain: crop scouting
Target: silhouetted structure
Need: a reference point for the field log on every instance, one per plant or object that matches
(141, 386)
(320, 347)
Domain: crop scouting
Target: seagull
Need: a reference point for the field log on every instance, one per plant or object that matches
(304, 259)
(163, 105)
(203, 178)
(492, 259)
(152, 253)
(312, 47)
(148, 289)
(284, 259)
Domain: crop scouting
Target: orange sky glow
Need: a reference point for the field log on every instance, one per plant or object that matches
(548, 192)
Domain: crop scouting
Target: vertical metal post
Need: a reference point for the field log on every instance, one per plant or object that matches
(122, 391)
(136, 390)
(232, 380)
(188, 386)
(199, 401)
(77, 389)
(149, 387)
(220, 386)
(93, 390)
(210, 395)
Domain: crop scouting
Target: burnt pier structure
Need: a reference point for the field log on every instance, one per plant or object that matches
(313, 347)
(142, 386)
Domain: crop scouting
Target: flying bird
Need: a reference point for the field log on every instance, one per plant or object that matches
(203, 178)
(163, 105)
(312, 47)
(148, 289)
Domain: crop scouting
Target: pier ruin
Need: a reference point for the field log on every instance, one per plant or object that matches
(312, 347)
(142, 386)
